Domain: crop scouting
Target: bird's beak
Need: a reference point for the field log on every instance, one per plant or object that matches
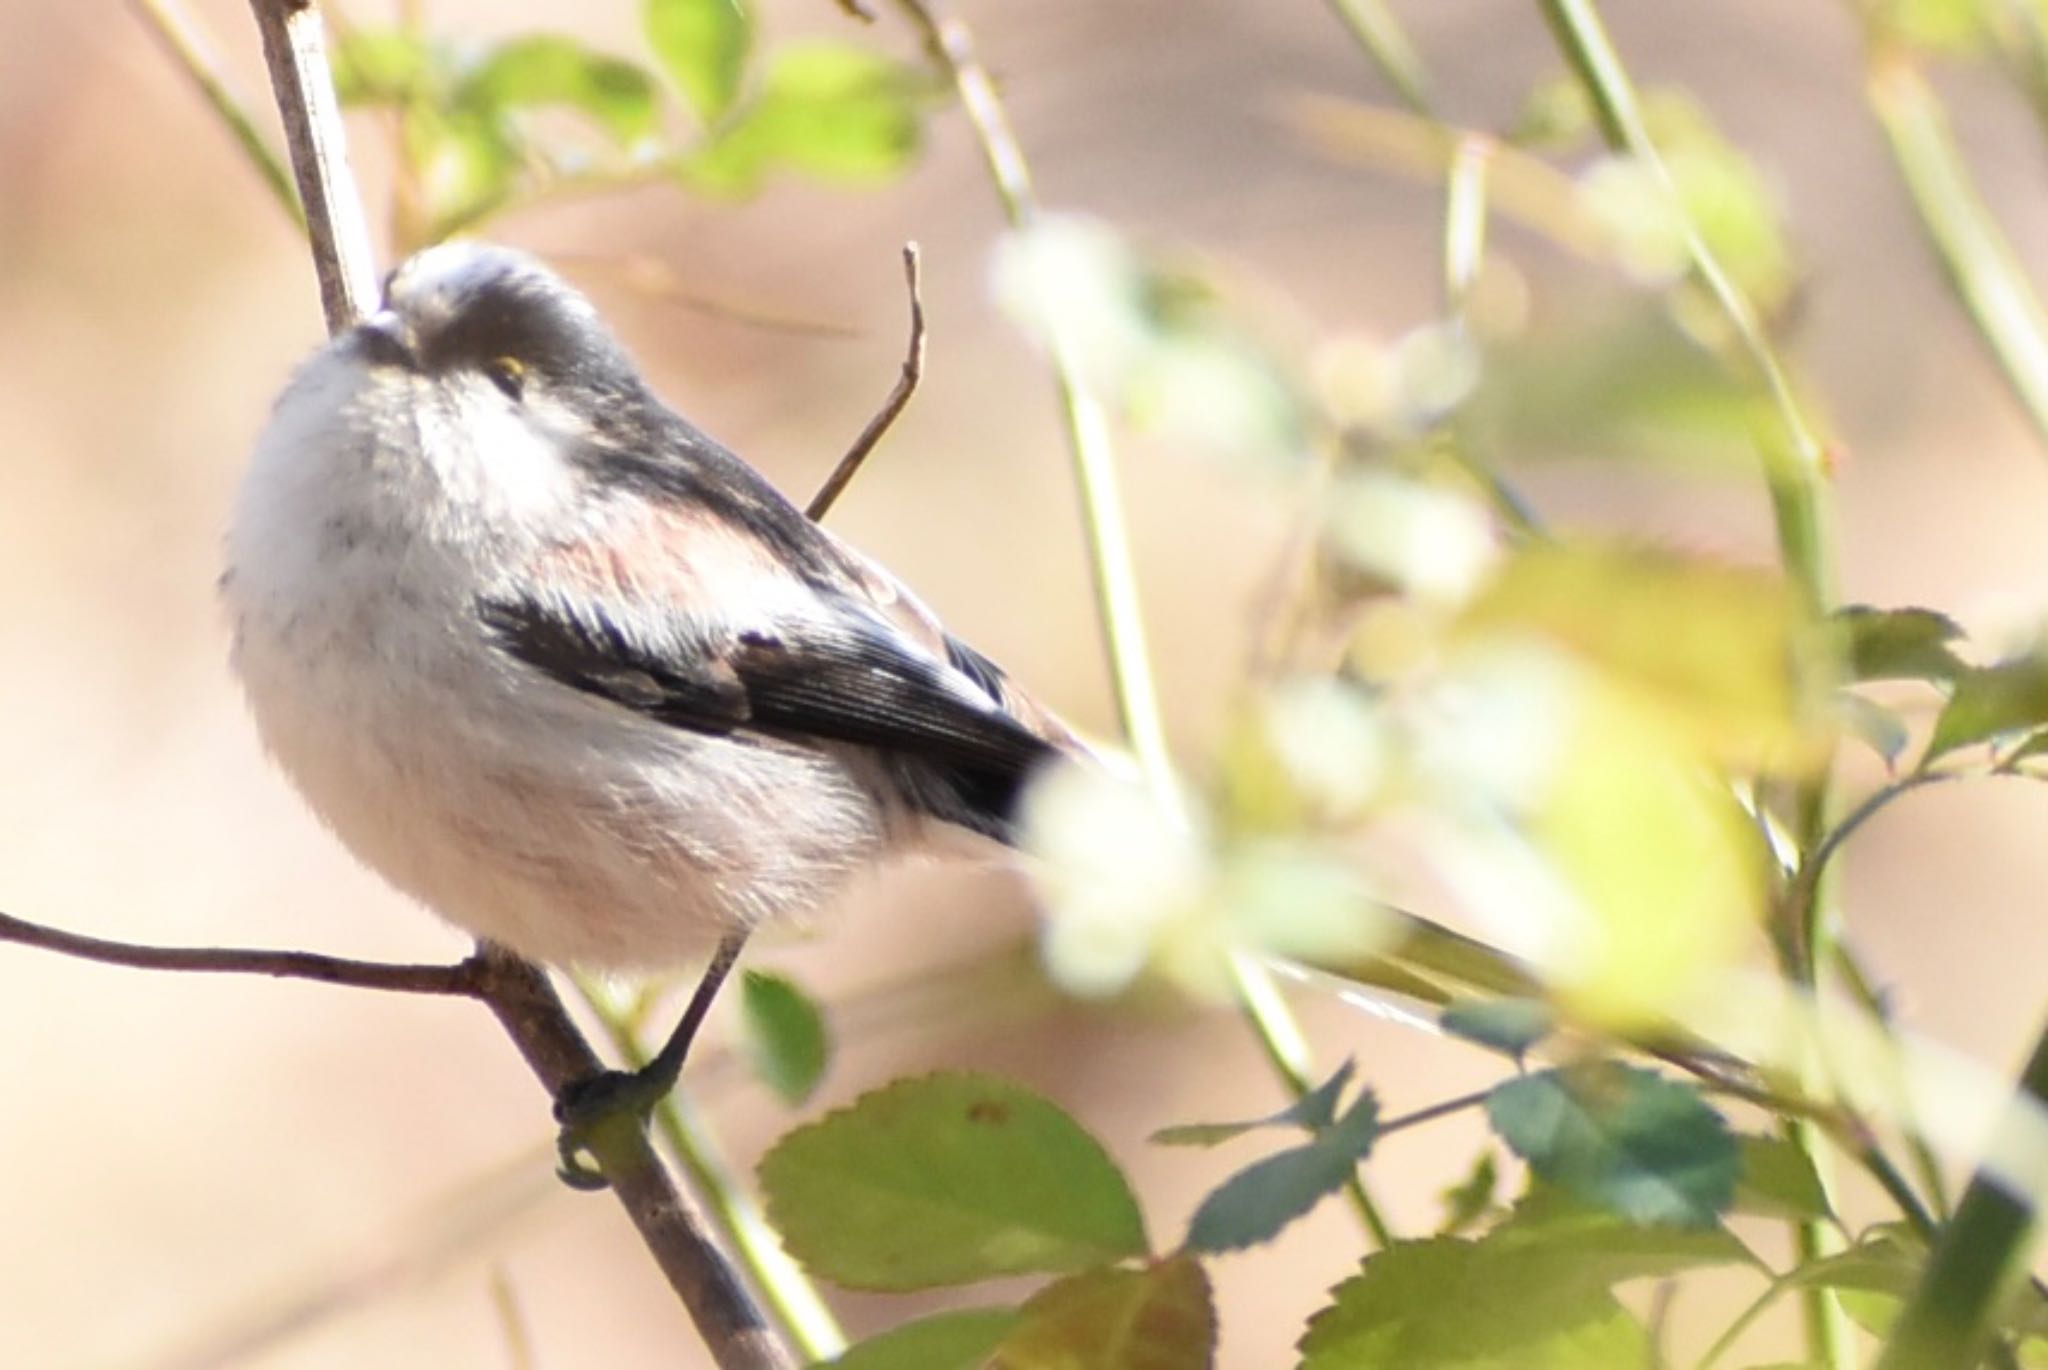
(387, 339)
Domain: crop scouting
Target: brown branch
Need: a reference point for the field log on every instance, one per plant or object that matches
(295, 50)
(906, 386)
(669, 1222)
(458, 979)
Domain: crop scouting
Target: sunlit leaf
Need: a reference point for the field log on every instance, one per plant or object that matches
(960, 1340)
(1509, 1026)
(948, 1179)
(1778, 1181)
(1450, 1304)
(1623, 387)
(1312, 749)
(1991, 701)
(702, 44)
(1314, 1111)
(1646, 1148)
(1253, 1205)
(828, 111)
(550, 69)
(376, 65)
(1732, 205)
(786, 1039)
(1713, 647)
(1899, 644)
(1162, 1317)
(1956, 28)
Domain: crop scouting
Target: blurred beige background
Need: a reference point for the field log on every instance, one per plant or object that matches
(205, 1172)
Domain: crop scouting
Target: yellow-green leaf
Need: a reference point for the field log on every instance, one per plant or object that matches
(702, 44)
(948, 1179)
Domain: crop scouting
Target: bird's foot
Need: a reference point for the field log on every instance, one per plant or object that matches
(589, 1109)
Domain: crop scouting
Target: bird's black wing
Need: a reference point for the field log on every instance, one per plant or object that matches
(844, 676)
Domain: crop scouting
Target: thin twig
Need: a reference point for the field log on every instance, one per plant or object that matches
(906, 386)
(295, 50)
(670, 1223)
(194, 52)
(459, 979)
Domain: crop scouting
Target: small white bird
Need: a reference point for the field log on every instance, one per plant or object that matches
(564, 669)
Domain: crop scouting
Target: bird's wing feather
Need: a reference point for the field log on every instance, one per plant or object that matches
(843, 675)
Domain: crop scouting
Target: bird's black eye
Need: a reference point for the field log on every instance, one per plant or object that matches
(508, 374)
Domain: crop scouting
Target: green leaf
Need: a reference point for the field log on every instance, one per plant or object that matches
(960, 1340)
(1449, 1304)
(1314, 1110)
(1535, 1293)
(1886, 1261)
(1881, 728)
(1509, 1026)
(383, 66)
(1160, 1318)
(835, 113)
(1778, 1181)
(1991, 700)
(1899, 644)
(1605, 1249)
(1256, 1203)
(549, 69)
(702, 45)
(1469, 1200)
(1647, 1148)
(944, 1180)
(785, 1035)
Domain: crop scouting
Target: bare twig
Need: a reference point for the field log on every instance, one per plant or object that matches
(295, 50)
(670, 1223)
(906, 386)
(459, 979)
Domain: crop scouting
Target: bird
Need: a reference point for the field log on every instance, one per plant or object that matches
(565, 670)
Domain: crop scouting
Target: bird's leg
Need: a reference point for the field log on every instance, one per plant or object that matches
(628, 1097)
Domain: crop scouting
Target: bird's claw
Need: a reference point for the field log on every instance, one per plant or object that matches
(589, 1107)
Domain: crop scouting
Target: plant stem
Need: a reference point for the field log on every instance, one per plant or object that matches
(1795, 466)
(1375, 28)
(195, 54)
(1983, 1253)
(1118, 606)
(1975, 253)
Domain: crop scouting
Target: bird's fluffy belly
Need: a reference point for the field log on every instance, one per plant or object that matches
(589, 836)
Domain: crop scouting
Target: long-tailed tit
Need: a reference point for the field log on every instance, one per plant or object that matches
(562, 667)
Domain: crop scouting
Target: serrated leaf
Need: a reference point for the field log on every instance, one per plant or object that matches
(1314, 1110)
(702, 45)
(1448, 1304)
(1603, 1248)
(1899, 644)
(1160, 1318)
(1882, 1262)
(1624, 1138)
(1778, 1181)
(1471, 1199)
(1253, 1205)
(1509, 1026)
(786, 1040)
(832, 112)
(551, 69)
(1992, 700)
(944, 1180)
(960, 1340)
